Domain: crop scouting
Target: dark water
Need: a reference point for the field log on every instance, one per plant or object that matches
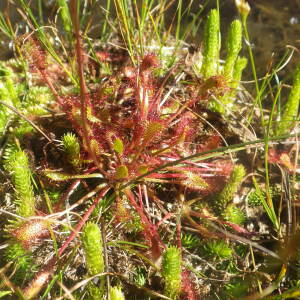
(273, 24)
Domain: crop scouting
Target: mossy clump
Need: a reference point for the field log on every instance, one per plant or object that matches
(171, 271)
(93, 251)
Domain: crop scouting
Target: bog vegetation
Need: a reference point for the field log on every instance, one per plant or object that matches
(137, 166)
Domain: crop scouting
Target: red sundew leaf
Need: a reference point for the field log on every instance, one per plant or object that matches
(166, 217)
(109, 56)
(166, 175)
(104, 56)
(32, 231)
(40, 280)
(188, 289)
(149, 61)
(35, 55)
(281, 158)
(212, 142)
(194, 182)
(130, 73)
(152, 131)
(200, 169)
(224, 168)
(185, 129)
(122, 213)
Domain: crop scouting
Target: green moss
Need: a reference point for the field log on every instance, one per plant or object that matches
(234, 45)
(236, 289)
(218, 248)
(190, 241)
(171, 271)
(240, 65)
(290, 112)
(23, 129)
(228, 192)
(254, 199)
(8, 88)
(234, 215)
(212, 44)
(93, 250)
(72, 149)
(18, 164)
(140, 276)
(22, 260)
(116, 293)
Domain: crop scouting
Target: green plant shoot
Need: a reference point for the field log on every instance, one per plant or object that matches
(290, 112)
(93, 249)
(231, 187)
(212, 43)
(116, 293)
(72, 149)
(234, 45)
(171, 271)
(18, 164)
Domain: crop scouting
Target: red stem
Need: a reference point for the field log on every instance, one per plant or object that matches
(84, 94)
(150, 228)
(51, 86)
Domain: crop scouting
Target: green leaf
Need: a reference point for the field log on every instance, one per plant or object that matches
(121, 172)
(143, 169)
(59, 176)
(269, 210)
(118, 146)
(4, 293)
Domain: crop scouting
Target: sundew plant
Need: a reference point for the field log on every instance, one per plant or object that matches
(130, 167)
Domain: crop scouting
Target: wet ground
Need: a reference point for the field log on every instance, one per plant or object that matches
(273, 25)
